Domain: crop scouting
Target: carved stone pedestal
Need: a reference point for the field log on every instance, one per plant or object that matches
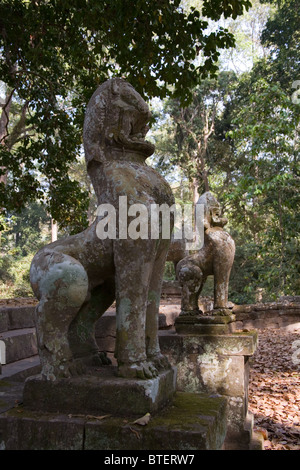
(216, 322)
(102, 392)
(210, 361)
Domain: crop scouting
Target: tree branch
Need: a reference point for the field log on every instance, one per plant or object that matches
(30, 72)
(18, 128)
(5, 118)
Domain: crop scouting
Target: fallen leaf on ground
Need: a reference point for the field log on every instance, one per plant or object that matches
(143, 420)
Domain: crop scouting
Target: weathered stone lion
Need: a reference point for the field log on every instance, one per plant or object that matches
(214, 258)
(78, 278)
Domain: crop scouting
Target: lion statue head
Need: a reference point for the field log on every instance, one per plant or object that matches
(212, 211)
(116, 120)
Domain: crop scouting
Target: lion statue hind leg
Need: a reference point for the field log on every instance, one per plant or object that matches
(61, 284)
(82, 330)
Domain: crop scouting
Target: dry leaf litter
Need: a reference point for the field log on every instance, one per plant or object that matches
(274, 389)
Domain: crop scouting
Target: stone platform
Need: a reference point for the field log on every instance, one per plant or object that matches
(218, 322)
(100, 392)
(192, 422)
(212, 362)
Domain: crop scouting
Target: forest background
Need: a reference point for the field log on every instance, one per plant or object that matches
(223, 82)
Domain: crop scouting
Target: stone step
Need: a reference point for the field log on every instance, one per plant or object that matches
(18, 344)
(11, 395)
(192, 422)
(20, 370)
(13, 318)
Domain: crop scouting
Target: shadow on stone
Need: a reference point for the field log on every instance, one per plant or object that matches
(100, 392)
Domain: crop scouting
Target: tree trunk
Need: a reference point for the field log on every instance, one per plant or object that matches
(4, 119)
(282, 273)
(53, 230)
(201, 160)
(202, 145)
(195, 189)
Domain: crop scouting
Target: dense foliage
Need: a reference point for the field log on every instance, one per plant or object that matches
(24, 234)
(234, 132)
(239, 137)
(54, 54)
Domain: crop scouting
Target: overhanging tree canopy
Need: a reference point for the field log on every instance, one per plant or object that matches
(53, 54)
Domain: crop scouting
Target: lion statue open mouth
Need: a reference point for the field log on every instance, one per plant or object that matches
(76, 279)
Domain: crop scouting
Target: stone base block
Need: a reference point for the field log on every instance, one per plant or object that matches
(219, 322)
(218, 365)
(192, 422)
(101, 392)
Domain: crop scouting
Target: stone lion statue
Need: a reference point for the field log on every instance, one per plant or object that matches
(214, 258)
(76, 279)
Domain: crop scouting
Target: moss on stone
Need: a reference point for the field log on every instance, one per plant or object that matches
(253, 333)
(193, 421)
(4, 383)
(189, 407)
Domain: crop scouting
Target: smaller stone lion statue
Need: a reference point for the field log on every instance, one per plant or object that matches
(214, 258)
